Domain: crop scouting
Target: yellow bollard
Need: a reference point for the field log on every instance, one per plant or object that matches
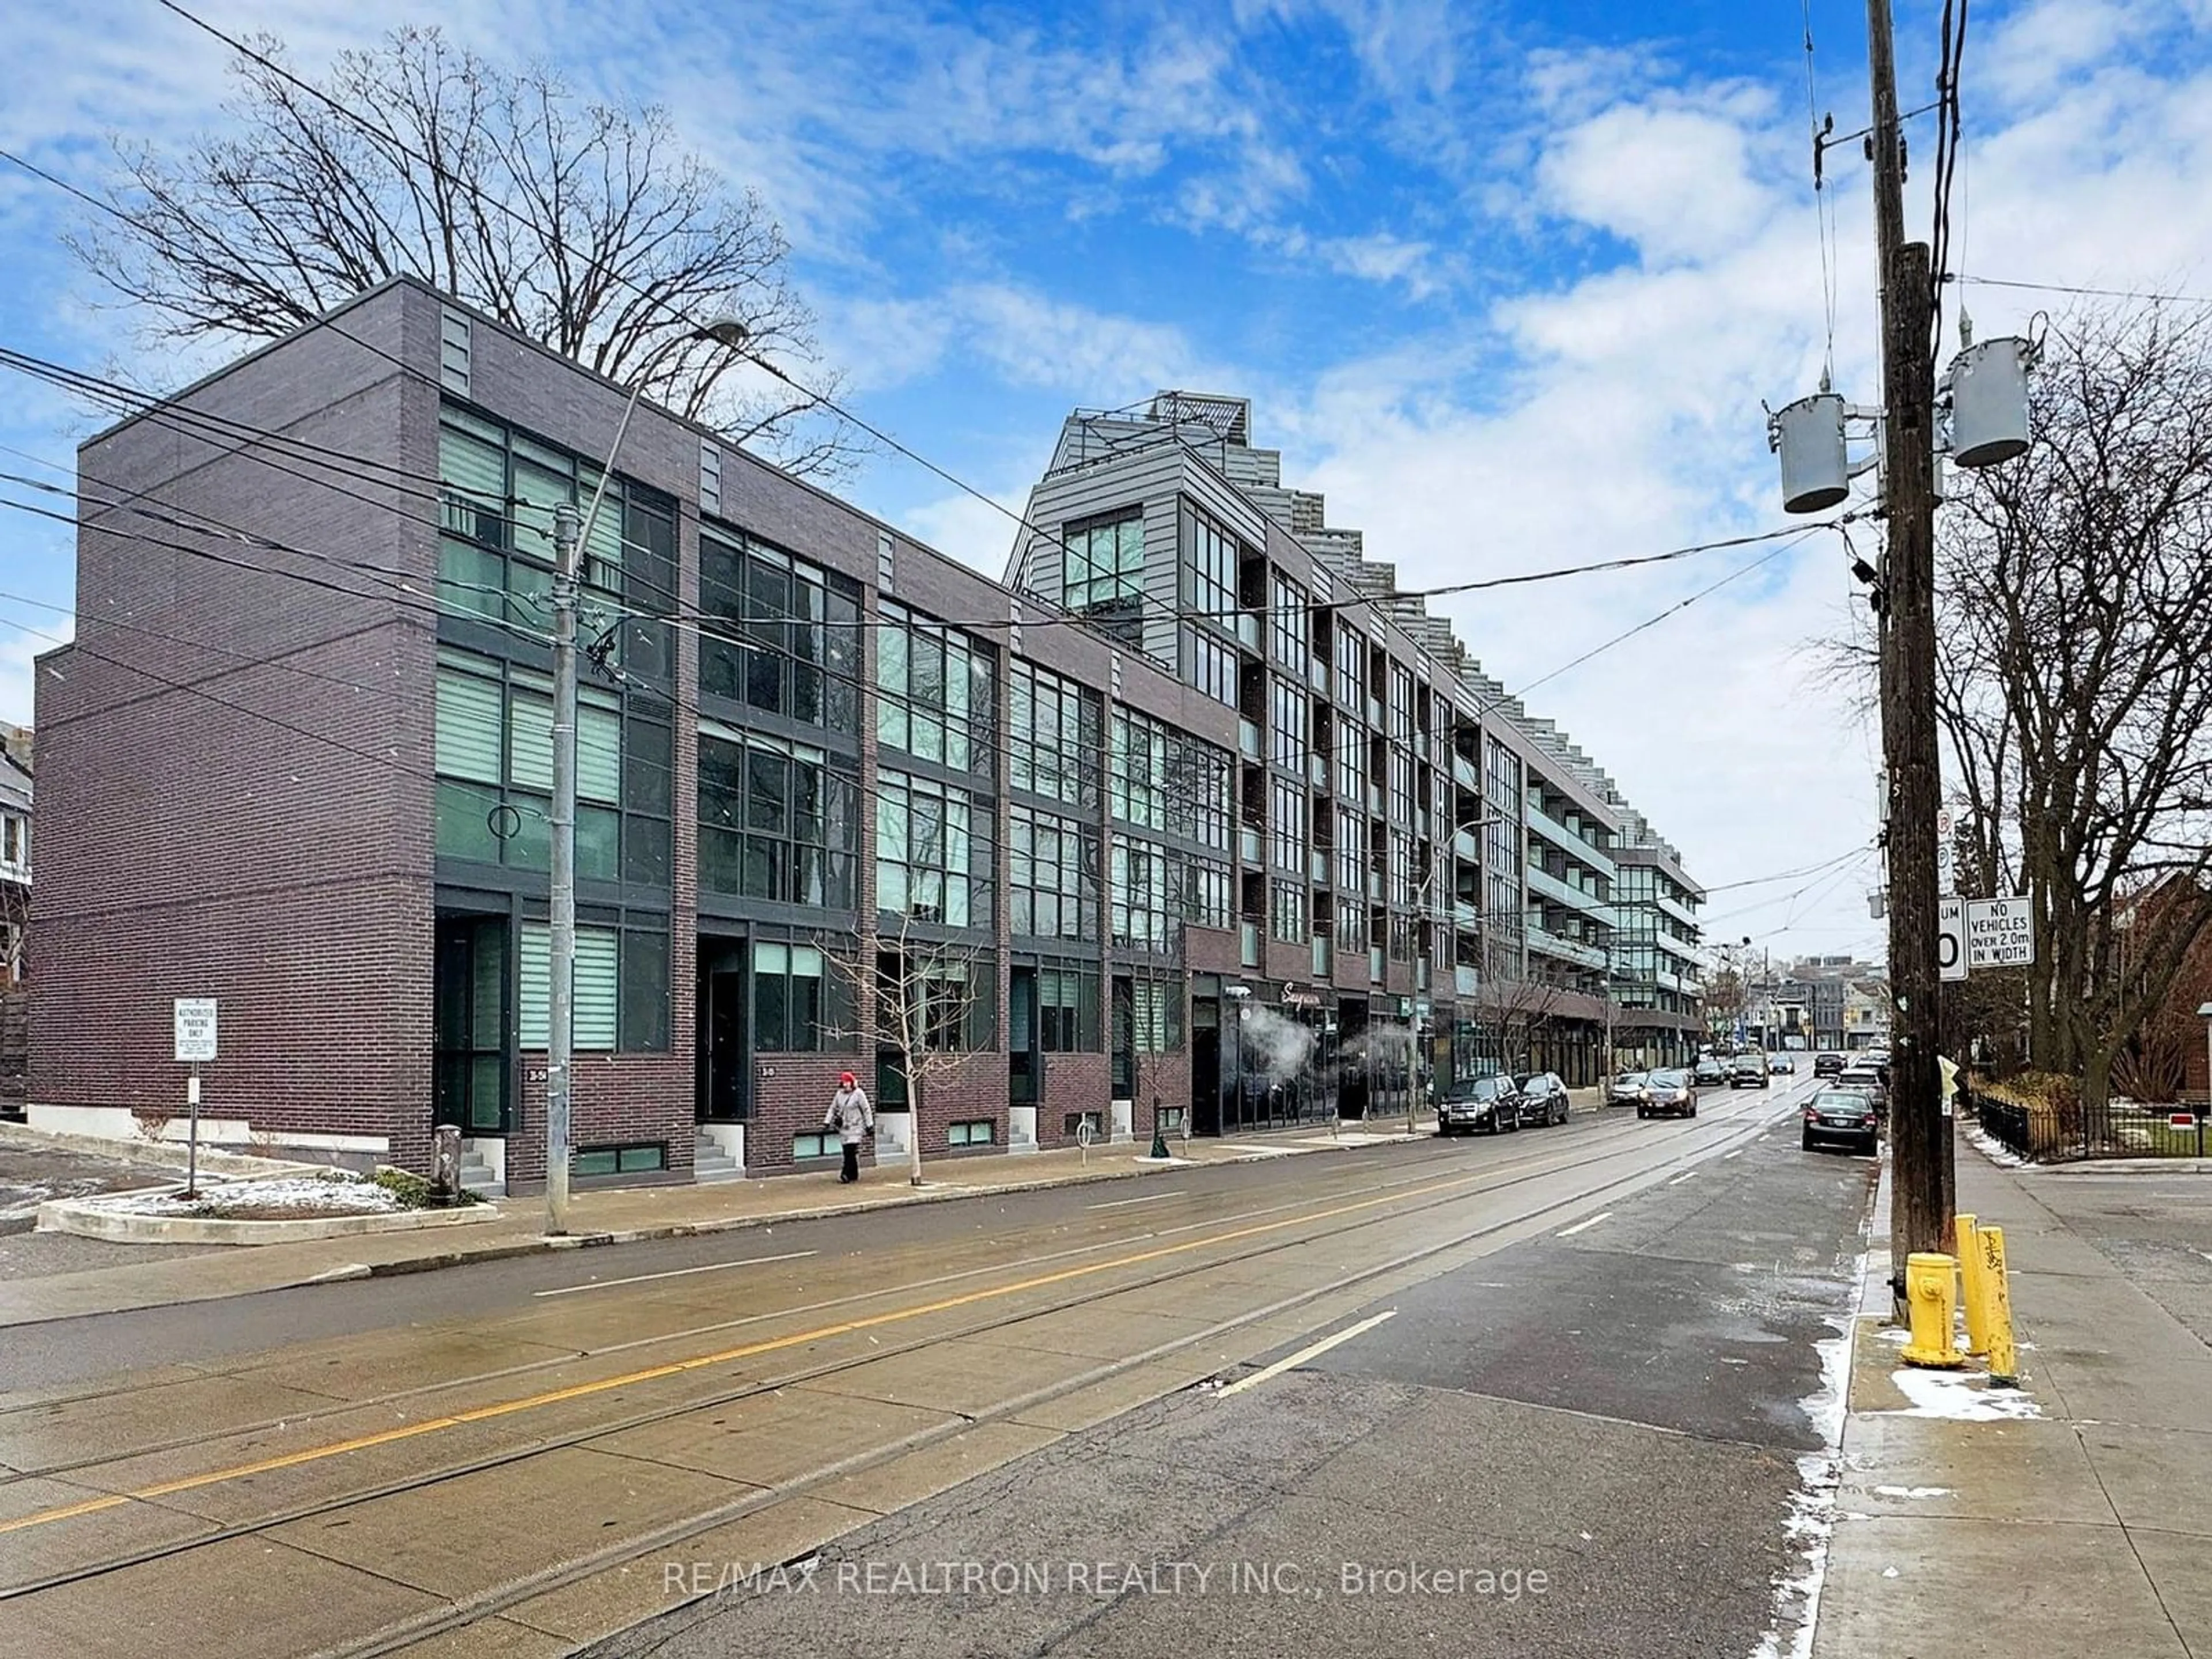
(1973, 1289)
(1930, 1280)
(2004, 1360)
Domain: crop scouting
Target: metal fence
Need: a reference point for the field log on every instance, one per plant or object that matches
(2073, 1132)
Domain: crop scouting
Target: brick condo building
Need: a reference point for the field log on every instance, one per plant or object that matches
(298, 759)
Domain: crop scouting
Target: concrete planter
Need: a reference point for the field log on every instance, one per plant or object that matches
(86, 1218)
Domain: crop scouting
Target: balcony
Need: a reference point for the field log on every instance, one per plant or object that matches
(1317, 675)
(1247, 630)
(1248, 939)
(1317, 868)
(1680, 911)
(1374, 964)
(1465, 981)
(1317, 770)
(1247, 843)
(1467, 845)
(1247, 738)
(1568, 841)
(1464, 775)
(1563, 893)
(1324, 955)
(1543, 941)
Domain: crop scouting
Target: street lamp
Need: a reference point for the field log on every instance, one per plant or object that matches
(572, 533)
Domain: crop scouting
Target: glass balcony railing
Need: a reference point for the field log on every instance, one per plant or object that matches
(1465, 981)
(1464, 775)
(1247, 843)
(1248, 934)
(1466, 845)
(1324, 955)
(1374, 964)
(1247, 738)
(1317, 866)
(1247, 630)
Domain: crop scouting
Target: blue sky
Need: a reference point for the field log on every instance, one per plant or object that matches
(1507, 280)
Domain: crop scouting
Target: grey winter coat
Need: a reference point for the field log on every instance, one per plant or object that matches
(850, 1115)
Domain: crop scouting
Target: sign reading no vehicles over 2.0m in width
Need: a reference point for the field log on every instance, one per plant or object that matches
(2000, 932)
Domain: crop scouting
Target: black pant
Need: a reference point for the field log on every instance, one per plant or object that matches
(852, 1170)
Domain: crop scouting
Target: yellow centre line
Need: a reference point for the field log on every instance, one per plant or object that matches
(676, 1368)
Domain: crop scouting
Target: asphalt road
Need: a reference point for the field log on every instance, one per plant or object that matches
(1598, 1328)
(1585, 1444)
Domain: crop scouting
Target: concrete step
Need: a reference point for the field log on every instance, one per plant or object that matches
(710, 1163)
(476, 1176)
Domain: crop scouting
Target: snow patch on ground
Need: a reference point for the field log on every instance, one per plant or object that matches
(306, 1194)
(1914, 1492)
(1961, 1397)
(1812, 1520)
(1997, 1153)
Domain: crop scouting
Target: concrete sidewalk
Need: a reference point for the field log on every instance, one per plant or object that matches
(628, 1215)
(2070, 1518)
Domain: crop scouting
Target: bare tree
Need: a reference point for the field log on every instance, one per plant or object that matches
(589, 229)
(2076, 690)
(923, 995)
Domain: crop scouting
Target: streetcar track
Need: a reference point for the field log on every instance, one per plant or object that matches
(1613, 1134)
(1451, 1190)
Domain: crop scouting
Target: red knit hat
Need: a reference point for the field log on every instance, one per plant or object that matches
(846, 1077)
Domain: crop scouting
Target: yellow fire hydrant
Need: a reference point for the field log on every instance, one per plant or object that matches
(1929, 1281)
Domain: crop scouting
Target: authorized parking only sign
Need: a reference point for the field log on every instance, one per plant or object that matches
(2000, 933)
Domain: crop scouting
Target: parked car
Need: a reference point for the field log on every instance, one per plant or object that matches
(1668, 1094)
(1710, 1074)
(1543, 1100)
(1783, 1065)
(1624, 1087)
(1492, 1104)
(1846, 1116)
(1749, 1071)
(1868, 1080)
(1827, 1065)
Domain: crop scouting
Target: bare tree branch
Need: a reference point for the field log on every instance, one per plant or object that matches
(589, 229)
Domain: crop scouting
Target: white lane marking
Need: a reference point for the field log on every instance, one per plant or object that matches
(676, 1272)
(1149, 1198)
(1686, 1175)
(1585, 1226)
(1738, 1152)
(1304, 1354)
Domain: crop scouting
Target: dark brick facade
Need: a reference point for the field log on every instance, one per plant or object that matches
(237, 759)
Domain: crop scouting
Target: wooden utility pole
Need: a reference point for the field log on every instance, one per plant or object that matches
(1908, 678)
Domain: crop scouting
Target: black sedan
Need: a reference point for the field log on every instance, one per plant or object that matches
(1492, 1104)
(1668, 1094)
(1842, 1115)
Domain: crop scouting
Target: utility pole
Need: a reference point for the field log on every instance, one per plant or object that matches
(567, 547)
(1908, 678)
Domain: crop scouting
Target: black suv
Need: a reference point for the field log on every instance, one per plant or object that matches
(1492, 1104)
(1827, 1065)
(1749, 1071)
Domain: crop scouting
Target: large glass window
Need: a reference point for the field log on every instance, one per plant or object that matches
(1201, 790)
(620, 998)
(1137, 770)
(934, 692)
(1350, 669)
(1103, 572)
(1052, 725)
(1288, 825)
(1052, 881)
(942, 998)
(1289, 714)
(494, 754)
(1209, 568)
(800, 1002)
(779, 634)
(1145, 913)
(1288, 913)
(1067, 1010)
(496, 558)
(1207, 894)
(1155, 1015)
(775, 821)
(1287, 625)
(1209, 665)
(932, 851)
(1351, 759)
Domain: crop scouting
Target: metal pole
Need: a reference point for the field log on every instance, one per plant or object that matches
(567, 542)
